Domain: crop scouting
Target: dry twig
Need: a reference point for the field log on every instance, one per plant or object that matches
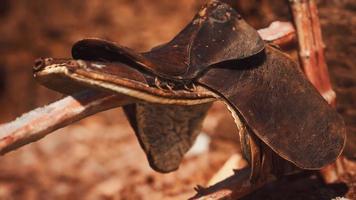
(280, 33)
(36, 124)
(313, 61)
(233, 187)
(311, 46)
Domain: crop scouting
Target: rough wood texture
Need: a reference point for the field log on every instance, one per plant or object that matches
(233, 187)
(36, 124)
(311, 46)
(313, 61)
(280, 33)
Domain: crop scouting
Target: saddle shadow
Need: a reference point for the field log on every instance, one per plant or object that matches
(244, 64)
(305, 185)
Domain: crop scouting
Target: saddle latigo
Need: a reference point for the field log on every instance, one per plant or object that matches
(282, 119)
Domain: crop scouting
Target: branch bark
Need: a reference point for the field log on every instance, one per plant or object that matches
(40, 122)
(232, 181)
(279, 33)
(233, 187)
(311, 46)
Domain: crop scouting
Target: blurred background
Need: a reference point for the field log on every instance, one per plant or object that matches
(99, 157)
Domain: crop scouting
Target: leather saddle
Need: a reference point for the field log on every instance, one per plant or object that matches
(217, 33)
(216, 56)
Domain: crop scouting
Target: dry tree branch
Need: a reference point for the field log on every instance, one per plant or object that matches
(36, 124)
(280, 33)
(40, 122)
(311, 46)
(312, 58)
(233, 187)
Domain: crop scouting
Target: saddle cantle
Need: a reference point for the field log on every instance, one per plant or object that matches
(224, 57)
(217, 33)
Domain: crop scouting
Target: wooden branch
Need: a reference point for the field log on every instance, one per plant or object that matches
(233, 187)
(231, 181)
(235, 162)
(280, 33)
(38, 123)
(42, 121)
(311, 46)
